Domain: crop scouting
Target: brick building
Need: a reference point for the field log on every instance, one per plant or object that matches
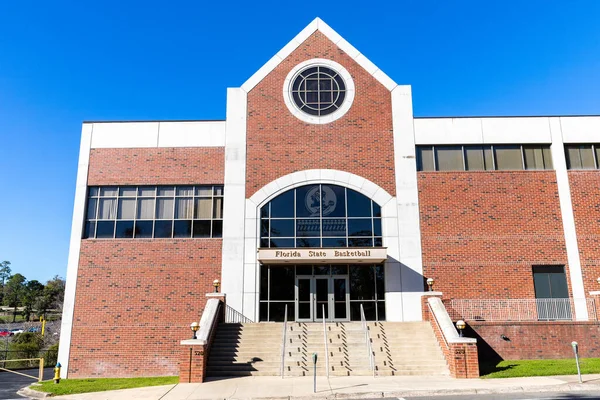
(321, 192)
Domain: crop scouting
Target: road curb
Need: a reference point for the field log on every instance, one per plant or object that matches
(28, 392)
(440, 392)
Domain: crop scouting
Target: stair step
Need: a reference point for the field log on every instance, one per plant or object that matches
(255, 349)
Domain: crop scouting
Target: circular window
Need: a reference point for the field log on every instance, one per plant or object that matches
(318, 91)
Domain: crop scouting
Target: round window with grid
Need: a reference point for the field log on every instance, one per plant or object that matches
(318, 90)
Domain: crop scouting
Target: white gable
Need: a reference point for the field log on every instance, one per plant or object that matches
(318, 24)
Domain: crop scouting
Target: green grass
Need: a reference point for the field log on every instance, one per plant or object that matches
(75, 386)
(8, 319)
(518, 368)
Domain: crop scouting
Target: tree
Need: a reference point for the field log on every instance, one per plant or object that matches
(4, 275)
(13, 292)
(52, 296)
(32, 291)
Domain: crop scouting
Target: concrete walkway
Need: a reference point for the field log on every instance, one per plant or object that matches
(343, 387)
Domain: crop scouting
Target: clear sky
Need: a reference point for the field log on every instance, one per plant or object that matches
(65, 62)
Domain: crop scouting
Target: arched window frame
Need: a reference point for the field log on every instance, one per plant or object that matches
(350, 218)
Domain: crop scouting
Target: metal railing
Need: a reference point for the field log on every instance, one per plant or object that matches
(496, 310)
(40, 369)
(363, 320)
(232, 316)
(326, 346)
(283, 342)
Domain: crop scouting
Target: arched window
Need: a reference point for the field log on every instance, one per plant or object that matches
(320, 216)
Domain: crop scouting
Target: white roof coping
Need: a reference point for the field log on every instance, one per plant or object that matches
(319, 25)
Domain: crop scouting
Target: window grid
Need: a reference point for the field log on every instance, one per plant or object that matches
(375, 240)
(98, 194)
(547, 163)
(328, 82)
(595, 149)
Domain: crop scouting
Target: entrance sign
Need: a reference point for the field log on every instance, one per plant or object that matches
(367, 255)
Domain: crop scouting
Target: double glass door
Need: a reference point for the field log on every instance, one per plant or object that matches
(318, 294)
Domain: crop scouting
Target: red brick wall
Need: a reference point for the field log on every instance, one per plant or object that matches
(585, 194)
(538, 340)
(134, 302)
(483, 231)
(156, 166)
(360, 142)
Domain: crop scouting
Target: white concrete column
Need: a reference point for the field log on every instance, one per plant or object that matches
(407, 194)
(77, 225)
(232, 269)
(566, 208)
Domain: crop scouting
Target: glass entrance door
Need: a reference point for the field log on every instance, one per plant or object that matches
(318, 294)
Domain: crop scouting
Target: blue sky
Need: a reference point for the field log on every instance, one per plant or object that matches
(65, 62)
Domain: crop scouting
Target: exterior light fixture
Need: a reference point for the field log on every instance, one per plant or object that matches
(460, 325)
(430, 282)
(216, 284)
(194, 326)
(598, 280)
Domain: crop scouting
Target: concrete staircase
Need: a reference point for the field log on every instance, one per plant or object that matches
(399, 348)
(406, 348)
(246, 349)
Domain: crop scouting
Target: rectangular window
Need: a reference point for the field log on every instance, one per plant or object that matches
(483, 158)
(551, 293)
(154, 212)
(582, 156)
(508, 157)
(449, 158)
(537, 157)
(425, 158)
(474, 160)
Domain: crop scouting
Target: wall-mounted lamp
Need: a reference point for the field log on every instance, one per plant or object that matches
(216, 284)
(460, 325)
(430, 282)
(194, 326)
(598, 280)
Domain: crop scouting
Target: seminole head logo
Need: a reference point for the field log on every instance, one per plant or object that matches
(320, 197)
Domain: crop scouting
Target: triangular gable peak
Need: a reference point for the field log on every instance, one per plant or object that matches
(319, 25)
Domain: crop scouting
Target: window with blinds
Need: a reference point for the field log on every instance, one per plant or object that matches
(483, 158)
(582, 156)
(136, 212)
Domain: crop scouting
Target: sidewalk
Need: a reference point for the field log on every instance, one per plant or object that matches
(343, 387)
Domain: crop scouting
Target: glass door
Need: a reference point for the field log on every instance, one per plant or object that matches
(321, 297)
(304, 299)
(340, 299)
(315, 295)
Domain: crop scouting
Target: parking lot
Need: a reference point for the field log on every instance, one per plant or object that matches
(10, 383)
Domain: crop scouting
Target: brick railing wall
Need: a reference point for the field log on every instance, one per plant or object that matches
(461, 356)
(195, 352)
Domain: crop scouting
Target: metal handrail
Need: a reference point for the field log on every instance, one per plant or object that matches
(234, 316)
(363, 320)
(326, 346)
(284, 336)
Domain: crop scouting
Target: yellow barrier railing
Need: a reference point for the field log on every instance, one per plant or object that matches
(41, 368)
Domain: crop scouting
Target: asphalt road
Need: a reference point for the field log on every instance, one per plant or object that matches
(588, 395)
(10, 383)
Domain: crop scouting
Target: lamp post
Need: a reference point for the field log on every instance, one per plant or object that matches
(194, 326)
(216, 284)
(460, 325)
(430, 282)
